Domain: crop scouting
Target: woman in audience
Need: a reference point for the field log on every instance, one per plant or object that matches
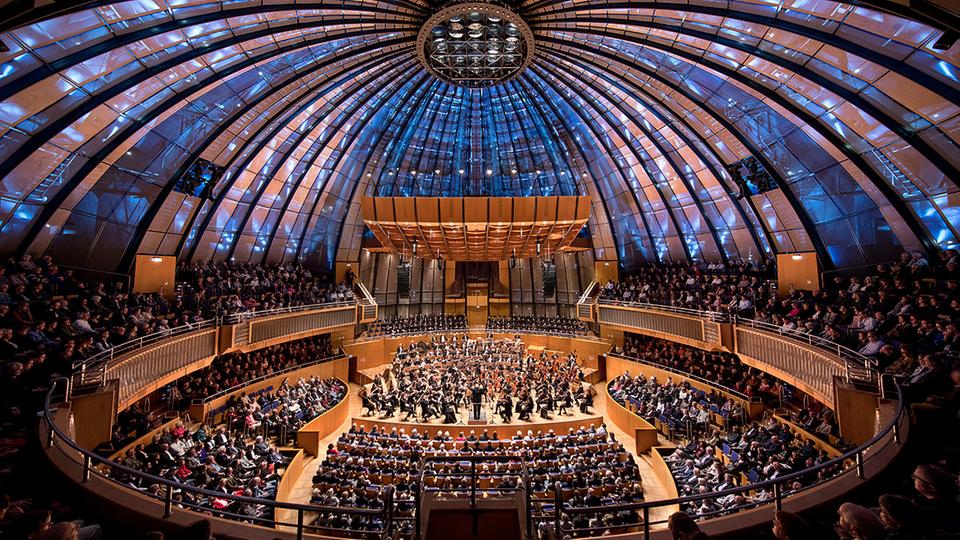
(682, 527)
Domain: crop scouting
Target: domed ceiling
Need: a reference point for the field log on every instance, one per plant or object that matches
(709, 130)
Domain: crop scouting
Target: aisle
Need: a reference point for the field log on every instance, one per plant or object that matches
(653, 488)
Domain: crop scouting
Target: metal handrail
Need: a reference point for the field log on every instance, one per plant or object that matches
(211, 397)
(91, 464)
(236, 318)
(107, 356)
(776, 484)
(474, 476)
(713, 316)
(845, 354)
(366, 296)
(586, 296)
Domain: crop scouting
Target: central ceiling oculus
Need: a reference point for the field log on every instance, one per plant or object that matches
(475, 44)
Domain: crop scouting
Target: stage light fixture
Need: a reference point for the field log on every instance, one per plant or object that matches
(475, 44)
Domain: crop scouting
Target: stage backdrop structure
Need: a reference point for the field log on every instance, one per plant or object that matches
(476, 228)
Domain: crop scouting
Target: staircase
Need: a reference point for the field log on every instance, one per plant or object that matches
(55, 178)
(479, 509)
(367, 303)
(587, 304)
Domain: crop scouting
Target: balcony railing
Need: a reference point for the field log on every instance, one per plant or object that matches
(92, 465)
(90, 370)
(816, 364)
(852, 462)
(686, 324)
(841, 358)
(715, 316)
(855, 364)
(314, 318)
(145, 360)
(238, 318)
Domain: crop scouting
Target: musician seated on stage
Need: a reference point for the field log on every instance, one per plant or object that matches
(436, 380)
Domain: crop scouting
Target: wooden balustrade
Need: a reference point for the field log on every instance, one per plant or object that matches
(310, 435)
(288, 483)
(618, 365)
(338, 367)
(645, 434)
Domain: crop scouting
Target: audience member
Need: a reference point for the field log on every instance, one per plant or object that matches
(682, 527)
(789, 526)
(859, 523)
(417, 324)
(222, 289)
(537, 324)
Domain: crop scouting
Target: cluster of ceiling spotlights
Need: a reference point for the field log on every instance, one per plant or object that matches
(475, 44)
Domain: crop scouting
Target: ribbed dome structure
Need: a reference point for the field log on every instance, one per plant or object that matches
(113, 115)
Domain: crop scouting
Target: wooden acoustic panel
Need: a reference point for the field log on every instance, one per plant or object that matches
(475, 228)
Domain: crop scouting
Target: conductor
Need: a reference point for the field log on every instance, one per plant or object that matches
(476, 397)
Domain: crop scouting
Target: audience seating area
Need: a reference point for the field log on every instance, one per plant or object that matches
(714, 287)
(50, 320)
(417, 324)
(684, 410)
(240, 462)
(591, 465)
(229, 371)
(235, 369)
(222, 289)
(742, 456)
(904, 315)
(720, 368)
(727, 371)
(539, 325)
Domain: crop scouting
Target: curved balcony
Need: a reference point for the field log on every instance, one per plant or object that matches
(806, 361)
(795, 357)
(144, 365)
(856, 466)
(181, 504)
